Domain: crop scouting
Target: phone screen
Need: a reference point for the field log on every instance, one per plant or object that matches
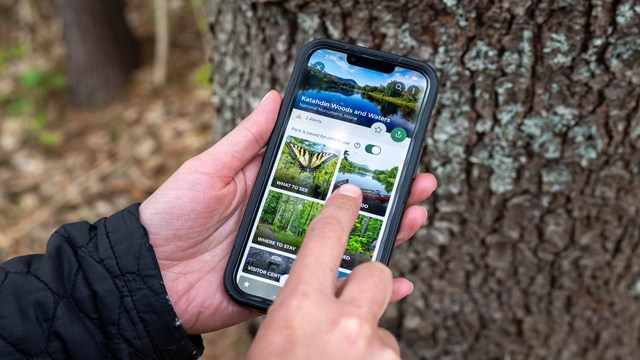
(348, 124)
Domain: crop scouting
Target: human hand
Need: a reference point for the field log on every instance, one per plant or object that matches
(193, 219)
(314, 316)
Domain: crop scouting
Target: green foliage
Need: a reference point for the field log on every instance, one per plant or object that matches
(19, 107)
(349, 167)
(201, 77)
(386, 177)
(42, 80)
(38, 123)
(32, 90)
(288, 216)
(295, 218)
(15, 52)
(48, 139)
(38, 128)
(270, 207)
(354, 245)
(318, 80)
(364, 232)
(290, 239)
(32, 78)
(406, 103)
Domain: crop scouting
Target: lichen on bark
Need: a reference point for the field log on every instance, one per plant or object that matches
(532, 243)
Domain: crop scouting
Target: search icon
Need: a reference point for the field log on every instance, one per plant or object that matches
(399, 86)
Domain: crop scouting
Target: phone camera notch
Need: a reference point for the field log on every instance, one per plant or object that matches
(370, 63)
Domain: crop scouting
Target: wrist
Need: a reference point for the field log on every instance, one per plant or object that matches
(144, 286)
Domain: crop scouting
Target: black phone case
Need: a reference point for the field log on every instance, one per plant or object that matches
(268, 162)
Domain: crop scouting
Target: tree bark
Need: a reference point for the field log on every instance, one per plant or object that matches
(101, 49)
(533, 244)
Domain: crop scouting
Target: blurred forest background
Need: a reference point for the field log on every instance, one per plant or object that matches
(61, 163)
(532, 249)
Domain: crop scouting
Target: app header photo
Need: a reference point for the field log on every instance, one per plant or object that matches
(330, 86)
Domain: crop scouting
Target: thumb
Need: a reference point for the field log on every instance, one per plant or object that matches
(242, 144)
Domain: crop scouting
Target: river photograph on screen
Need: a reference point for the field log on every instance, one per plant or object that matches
(331, 86)
(374, 175)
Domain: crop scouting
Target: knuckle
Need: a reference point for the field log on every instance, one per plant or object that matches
(377, 269)
(391, 348)
(353, 327)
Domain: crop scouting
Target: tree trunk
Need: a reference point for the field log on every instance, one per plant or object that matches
(533, 244)
(365, 226)
(293, 216)
(101, 49)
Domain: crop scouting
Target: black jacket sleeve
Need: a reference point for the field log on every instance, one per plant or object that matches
(97, 293)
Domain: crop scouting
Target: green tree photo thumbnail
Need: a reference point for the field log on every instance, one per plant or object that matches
(285, 218)
(284, 221)
(360, 247)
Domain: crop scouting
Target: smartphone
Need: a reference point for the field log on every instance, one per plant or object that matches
(349, 115)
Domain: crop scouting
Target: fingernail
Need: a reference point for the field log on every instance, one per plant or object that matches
(349, 190)
(434, 180)
(412, 286)
(426, 215)
(265, 96)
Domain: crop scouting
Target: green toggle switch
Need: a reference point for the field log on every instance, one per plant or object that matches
(372, 149)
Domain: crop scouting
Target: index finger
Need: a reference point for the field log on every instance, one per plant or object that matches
(321, 251)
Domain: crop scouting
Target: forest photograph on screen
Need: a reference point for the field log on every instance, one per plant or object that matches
(363, 170)
(285, 218)
(284, 221)
(362, 242)
(305, 167)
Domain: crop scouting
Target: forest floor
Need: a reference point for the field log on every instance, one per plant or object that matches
(60, 164)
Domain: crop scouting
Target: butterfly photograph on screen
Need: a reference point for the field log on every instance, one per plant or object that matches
(306, 167)
(309, 161)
